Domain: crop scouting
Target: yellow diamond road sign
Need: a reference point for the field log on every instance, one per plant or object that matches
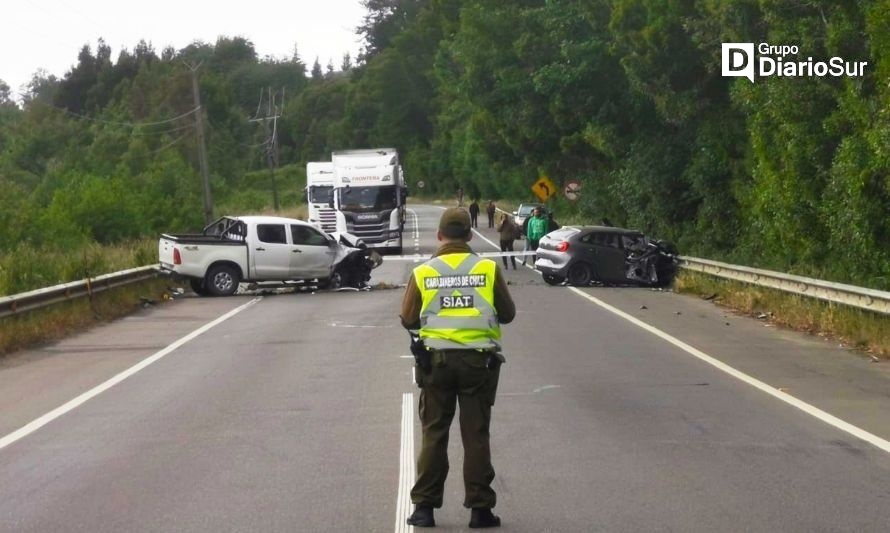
(544, 188)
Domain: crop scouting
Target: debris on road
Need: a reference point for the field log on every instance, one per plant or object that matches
(643, 307)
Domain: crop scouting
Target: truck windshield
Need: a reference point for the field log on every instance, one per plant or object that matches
(357, 199)
(321, 194)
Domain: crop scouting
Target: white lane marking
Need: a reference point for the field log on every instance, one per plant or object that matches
(38, 423)
(754, 382)
(406, 464)
(416, 234)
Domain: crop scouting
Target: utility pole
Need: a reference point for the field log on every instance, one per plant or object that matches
(202, 149)
(270, 125)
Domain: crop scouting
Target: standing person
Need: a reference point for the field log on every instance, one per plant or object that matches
(507, 230)
(474, 214)
(490, 209)
(460, 197)
(537, 227)
(458, 301)
(552, 225)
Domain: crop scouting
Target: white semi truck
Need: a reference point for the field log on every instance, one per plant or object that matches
(369, 196)
(320, 195)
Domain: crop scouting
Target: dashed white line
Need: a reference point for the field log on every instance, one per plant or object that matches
(38, 423)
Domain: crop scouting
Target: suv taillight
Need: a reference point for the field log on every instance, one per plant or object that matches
(177, 259)
(563, 246)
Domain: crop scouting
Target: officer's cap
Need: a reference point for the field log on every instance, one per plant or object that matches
(455, 223)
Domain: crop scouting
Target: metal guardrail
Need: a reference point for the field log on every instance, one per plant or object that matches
(28, 301)
(870, 299)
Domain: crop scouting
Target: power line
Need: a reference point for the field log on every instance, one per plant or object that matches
(162, 132)
(115, 123)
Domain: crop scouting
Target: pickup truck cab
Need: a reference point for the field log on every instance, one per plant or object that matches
(258, 249)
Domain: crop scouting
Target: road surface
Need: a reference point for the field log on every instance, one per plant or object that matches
(286, 414)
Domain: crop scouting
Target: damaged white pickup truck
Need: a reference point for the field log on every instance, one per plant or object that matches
(261, 249)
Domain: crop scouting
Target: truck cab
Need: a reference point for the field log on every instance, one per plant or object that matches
(320, 195)
(369, 196)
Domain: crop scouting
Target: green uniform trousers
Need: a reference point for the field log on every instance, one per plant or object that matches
(457, 377)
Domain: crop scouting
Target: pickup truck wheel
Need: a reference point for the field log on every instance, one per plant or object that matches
(198, 287)
(222, 280)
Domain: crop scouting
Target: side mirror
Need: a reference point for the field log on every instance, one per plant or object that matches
(331, 203)
(515, 213)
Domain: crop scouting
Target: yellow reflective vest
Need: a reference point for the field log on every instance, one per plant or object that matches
(458, 310)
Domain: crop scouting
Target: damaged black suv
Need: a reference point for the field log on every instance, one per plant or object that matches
(607, 255)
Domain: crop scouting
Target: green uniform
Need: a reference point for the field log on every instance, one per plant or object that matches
(459, 323)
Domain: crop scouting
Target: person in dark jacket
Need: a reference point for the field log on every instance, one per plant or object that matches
(474, 213)
(552, 225)
(490, 209)
(507, 230)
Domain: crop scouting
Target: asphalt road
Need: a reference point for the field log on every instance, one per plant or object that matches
(286, 416)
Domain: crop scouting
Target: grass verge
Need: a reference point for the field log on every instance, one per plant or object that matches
(858, 328)
(27, 267)
(52, 323)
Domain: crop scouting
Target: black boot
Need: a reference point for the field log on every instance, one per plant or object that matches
(483, 517)
(422, 516)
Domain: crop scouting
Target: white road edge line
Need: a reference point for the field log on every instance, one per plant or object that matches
(406, 465)
(811, 410)
(754, 382)
(38, 423)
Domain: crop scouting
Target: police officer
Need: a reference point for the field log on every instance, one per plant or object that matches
(457, 300)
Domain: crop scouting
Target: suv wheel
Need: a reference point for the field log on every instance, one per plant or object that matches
(550, 279)
(579, 274)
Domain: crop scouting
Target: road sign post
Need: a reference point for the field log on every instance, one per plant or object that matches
(572, 190)
(544, 188)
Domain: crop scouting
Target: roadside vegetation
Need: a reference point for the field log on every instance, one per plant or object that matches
(861, 329)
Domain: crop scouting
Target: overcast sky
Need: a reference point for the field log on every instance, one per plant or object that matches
(49, 33)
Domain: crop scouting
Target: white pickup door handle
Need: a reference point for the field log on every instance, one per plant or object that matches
(261, 249)
(297, 251)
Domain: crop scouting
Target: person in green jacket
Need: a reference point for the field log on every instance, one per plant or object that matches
(538, 226)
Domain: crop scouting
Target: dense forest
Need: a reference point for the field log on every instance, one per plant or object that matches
(625, 95)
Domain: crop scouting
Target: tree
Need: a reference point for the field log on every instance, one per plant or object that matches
(316, 70)
(5, 94)
(346, 64)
